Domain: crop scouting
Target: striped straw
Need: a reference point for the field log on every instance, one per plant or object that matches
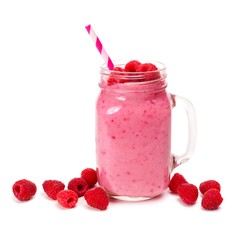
(100, 47)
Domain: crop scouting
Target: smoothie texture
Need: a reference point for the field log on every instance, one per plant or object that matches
(133, 135)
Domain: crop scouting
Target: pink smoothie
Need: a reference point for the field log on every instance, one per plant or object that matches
(133, 140)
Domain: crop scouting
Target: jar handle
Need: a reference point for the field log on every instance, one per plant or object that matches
(192, 129)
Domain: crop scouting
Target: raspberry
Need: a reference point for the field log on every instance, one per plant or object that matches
(97, 198)
(90, 176)
(177, 180)
(146, 67)
(188, 193)
(150, 72)
(67, 198)
(119, 69)
(212, 199)
(24, 189)
(132, 66)
(113, 79)
(209, 184)
(150, 69)
(78, 185)
(52, 188)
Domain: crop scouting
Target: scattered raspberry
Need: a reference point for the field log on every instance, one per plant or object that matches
(132, 66)
(209, 184)
(24, 189)
(67, 198)
(97, 198)
(212, 199)
(78, 185)
(188, 193)
(90, 176)
(52, 188)
(177, 180)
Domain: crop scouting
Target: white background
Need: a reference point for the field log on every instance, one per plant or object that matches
(49, 73)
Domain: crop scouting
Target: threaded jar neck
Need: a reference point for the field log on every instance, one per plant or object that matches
(113, 80)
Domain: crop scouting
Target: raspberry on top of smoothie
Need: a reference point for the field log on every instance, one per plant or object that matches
(143, 71)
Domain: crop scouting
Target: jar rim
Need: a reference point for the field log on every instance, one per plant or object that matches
(161, 68)
(133, 81)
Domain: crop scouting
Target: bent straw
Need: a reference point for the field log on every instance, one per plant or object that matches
(100, 47)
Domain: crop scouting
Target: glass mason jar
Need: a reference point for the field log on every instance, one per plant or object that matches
(133, 133)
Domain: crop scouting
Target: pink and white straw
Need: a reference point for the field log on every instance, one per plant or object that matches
(100, 47)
